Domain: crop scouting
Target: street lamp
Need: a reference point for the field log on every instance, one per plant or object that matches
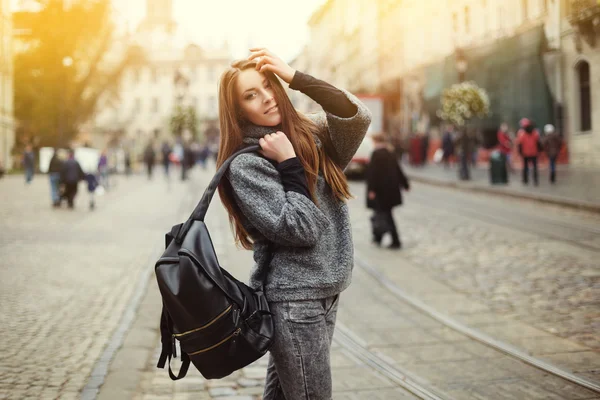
(461, 64)
(461, 68)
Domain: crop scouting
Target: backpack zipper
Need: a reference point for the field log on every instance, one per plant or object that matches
(215, 319)
(234, 334)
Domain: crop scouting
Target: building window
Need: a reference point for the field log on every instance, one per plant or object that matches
(585, 99)
(137, 107)
(455, 22)
(211, 73)
(467, 20)
(155, 105)
(136, 75)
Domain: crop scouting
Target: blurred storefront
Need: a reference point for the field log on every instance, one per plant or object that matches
(512, 72)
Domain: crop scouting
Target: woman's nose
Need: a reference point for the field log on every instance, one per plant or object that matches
(267, 97)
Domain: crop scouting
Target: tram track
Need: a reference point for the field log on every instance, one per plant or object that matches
(549, 223)
(546, 225)
(346, 338)
(418, 385)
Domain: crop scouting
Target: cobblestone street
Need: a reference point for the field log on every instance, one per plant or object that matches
(521, 272)
(66, 277)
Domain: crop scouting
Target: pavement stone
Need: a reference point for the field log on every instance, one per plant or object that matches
(537, 293)
(66, 277)
(502, 271)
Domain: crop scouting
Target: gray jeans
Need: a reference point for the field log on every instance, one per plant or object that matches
(299, 361)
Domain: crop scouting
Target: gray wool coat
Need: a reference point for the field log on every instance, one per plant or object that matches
(312, 250)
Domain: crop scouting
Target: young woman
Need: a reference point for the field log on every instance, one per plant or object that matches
(288, 204)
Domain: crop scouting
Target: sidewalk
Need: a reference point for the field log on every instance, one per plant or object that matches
(577, 188)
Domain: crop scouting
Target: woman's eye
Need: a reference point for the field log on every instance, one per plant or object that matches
(249, 96)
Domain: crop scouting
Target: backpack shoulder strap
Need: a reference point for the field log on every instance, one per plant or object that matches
(169, 349)
(202, 207)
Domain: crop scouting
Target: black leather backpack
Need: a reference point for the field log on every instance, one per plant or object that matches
(222, 324)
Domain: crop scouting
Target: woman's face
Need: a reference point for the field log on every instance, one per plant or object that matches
(256, 98)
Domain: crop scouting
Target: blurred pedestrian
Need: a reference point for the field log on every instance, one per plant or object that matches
(424, 148)
(464, 143)
(166, 153)
(187, 162)
(149, 158)
(385, 181)
(2, 170)
(92, 185)
(476, 142)
(203, 155)
(528, 140)
(552, 145)
(505, 144)
(70, 175)
(103, 169)
(54, 169)
(28, 163)
(127, 162)
(448, 146)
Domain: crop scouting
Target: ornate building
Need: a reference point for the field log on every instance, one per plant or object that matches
(7, 126)
(163, 75)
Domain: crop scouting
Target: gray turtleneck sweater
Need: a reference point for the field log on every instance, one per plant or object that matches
(309, 247)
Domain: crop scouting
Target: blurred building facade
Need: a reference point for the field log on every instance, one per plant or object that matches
(7, 124)
(528, 54)
(580, 51)
(344, 44)
(303, 63)
(162, 76)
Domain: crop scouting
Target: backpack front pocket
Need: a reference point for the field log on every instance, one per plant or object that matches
(214, 346)
(208, 326)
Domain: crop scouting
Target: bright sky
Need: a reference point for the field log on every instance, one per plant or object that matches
(280, 25)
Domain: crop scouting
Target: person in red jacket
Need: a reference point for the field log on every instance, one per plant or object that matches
(505, 144)
(528, 140)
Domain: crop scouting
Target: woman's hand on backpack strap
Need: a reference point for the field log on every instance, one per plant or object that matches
(270, 62)
(276, 146)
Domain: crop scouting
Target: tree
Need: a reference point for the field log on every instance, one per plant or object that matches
(52, 97)
(184, 118)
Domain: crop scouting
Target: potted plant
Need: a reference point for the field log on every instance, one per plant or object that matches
(461, 103)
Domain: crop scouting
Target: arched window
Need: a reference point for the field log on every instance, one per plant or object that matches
(585, 92)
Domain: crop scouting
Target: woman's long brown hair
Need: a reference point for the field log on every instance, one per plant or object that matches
(298, 128)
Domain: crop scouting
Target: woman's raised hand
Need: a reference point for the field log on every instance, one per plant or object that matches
(270, 62)
(277, 146)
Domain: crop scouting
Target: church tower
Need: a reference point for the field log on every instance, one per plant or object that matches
(159, 16)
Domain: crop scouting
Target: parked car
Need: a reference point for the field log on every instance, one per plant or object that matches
(359, 163)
